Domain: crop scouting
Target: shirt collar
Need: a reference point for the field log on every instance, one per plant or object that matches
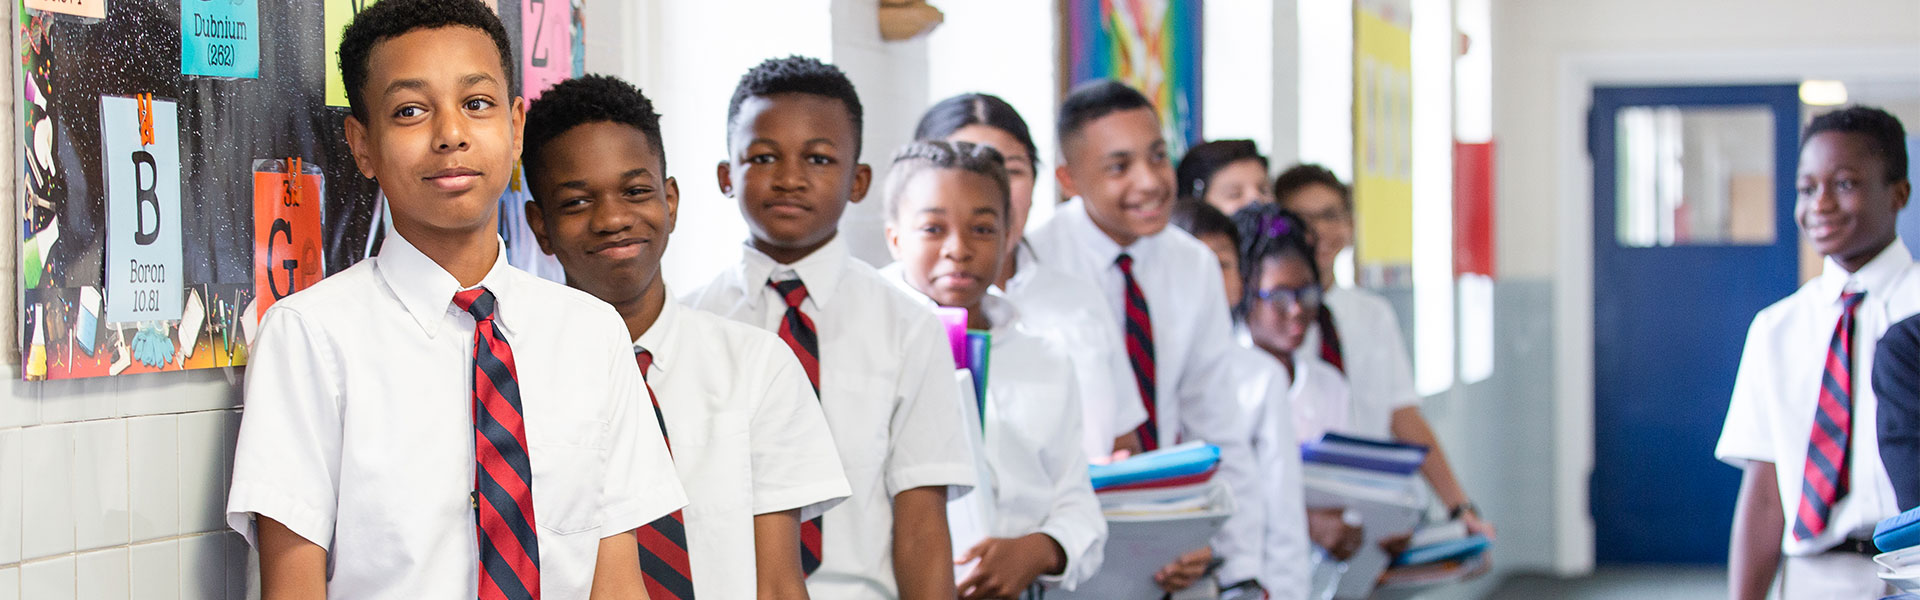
(1096, 241)
(1000, 310)
(819, 271)
(426, 290)
(662, 335)
(1877, 275)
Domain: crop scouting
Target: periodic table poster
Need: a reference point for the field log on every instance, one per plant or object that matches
(183, 165)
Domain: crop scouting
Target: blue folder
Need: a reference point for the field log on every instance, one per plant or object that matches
(1898, 532)
(1447, 550)
(1335, 449)
(1176, 461)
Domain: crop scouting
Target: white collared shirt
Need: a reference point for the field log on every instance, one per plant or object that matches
(1320, 399)
(358, 431)
(1037, 475)
(1378, 372)
(886, 385)
(1770, 418)
(1056, 305)
(1186, 300)
(748, 438)
(1261, 387)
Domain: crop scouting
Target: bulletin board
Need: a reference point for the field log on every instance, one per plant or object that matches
(183, 165)
(1383, 140)
(1152, 45)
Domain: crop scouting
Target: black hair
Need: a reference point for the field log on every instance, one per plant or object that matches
(956, 113)
(1300, 177)
(1199, 219)
(394, 18)
(799, 75)
(1885, 136)
(1266, 230)
(583, 100)
(1197, 168)
(926, 155)
(1095, 99)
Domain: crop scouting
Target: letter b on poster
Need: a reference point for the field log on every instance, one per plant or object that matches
(140, 146)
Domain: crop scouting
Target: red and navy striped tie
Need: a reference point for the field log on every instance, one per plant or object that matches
(1825, 480)
(1140, 353)
(503, 477)
(663, 543)
(798, 332)
(1330, 351)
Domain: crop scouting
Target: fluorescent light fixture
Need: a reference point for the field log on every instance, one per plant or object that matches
(1823, 92)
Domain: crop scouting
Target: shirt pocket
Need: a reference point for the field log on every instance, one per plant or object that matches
(569, 466)
(713, 462)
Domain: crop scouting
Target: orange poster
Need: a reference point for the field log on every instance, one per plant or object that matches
(286, 230)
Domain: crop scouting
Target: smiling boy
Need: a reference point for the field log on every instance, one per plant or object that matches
(1166, 287)
(432, 422)
(1801, 420)
(747, 436)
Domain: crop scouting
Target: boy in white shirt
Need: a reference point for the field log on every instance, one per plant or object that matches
(432, 422)
(946, 226)
(873, 353)
(1801, 421)
(1165, 286)
(747, 436)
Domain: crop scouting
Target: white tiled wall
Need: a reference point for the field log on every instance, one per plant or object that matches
(114, 489)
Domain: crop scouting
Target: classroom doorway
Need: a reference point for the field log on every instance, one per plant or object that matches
(1693, 235)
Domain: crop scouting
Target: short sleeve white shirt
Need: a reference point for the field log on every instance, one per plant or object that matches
(1777, 389)
(1056, 304)
(1377, 369)
(1038, 474)
(1192, 334)
(1260, 387)
(358, 431)
(748, 438)
(1320, 399)
(886, 386)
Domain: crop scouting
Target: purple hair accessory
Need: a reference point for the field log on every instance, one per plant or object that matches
(1277, 226)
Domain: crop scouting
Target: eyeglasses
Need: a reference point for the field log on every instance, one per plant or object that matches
(1306, 296)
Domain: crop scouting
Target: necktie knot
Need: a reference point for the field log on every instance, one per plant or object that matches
(1851, 300)
(791, 291)
(477, 302)
(645, 358)
(1126, 263)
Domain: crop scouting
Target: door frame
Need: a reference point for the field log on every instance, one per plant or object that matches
(1579, 73)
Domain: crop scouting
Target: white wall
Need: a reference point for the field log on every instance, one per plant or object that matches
(114, 487)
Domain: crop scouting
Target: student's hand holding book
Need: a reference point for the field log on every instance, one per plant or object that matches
(1008, 565)
(1182, 574)
(1330, 529)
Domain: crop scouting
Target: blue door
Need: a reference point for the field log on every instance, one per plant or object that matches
(1693, 234)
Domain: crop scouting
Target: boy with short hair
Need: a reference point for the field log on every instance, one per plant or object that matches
(746, 434)
(1173, 306)
(432, 422)
(946, 211)
(875, 356)
(1801, 421)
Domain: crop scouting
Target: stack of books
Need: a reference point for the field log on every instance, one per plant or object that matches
(1378, 479)
(1436, 555)
(1159, 505)
(1898, 538)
